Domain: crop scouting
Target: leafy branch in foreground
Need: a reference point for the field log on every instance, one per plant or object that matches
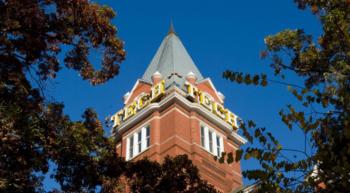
(34, 37)
(176, 174)
(324, 67)
(35, 135)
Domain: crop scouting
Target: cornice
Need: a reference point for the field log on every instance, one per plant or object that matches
(176, 95)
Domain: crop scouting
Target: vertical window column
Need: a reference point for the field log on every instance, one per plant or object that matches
(144, 142)
(127, 150)
(135, 144)
(139, 141)
(221, 142)
(210, 136)
(131, 146)
(202, 137)
(148, 137)
(206, 138)
(214, 144)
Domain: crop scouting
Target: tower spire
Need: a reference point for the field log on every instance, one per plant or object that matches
(172, 60)
(171, 28)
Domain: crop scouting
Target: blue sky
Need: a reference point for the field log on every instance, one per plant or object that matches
(219, 35)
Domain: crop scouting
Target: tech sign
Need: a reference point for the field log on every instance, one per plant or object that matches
(158, 91)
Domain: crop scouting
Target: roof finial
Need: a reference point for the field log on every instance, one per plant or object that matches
(171, 28)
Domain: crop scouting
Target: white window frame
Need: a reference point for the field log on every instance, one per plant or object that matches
(215, 135)
(136, 143)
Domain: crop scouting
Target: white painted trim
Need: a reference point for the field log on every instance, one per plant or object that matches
(238, 137)
(234, 147)
(143, 139)
(238, 174)
(174, 109)
(206, 138)
(215, 151)
(174, 136)
(135, 156)
(212, 85)
(135, 149)
(133, 88)
(222, 148)
(127, 155)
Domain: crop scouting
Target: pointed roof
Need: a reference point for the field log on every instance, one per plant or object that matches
(171, 28)
(172, 61)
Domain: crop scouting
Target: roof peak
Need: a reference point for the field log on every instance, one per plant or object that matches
(171, 28)
(172, 61)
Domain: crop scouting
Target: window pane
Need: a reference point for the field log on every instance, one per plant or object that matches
(131, 146)
(218, 148)
(222, 144)
(202, 137)
(147, 137)
(147, 131)
(210, 141)
(139, 137)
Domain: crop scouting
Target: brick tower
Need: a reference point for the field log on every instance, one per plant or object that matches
(174, 110)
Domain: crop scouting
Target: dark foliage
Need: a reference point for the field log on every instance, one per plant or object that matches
(176, 174)
(324, 66)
